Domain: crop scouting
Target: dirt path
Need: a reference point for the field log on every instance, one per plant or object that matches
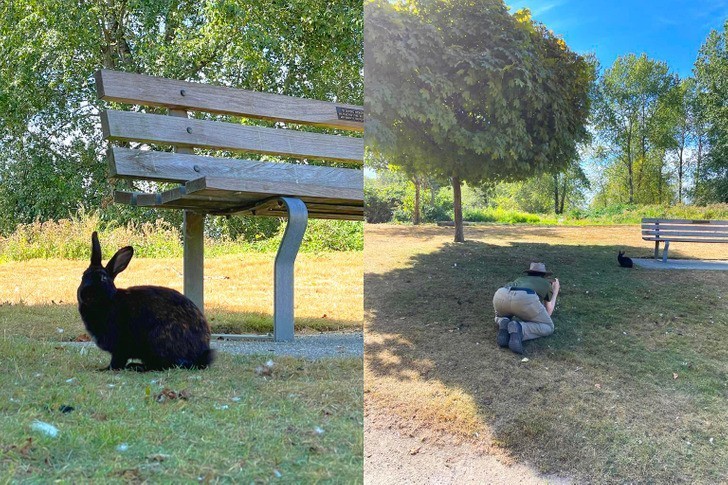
(396, 456)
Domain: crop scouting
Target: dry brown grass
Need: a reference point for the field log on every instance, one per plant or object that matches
(39, 296)
(598, 400)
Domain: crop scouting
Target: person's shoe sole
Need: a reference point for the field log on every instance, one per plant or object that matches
(515, 340)
(503, 335)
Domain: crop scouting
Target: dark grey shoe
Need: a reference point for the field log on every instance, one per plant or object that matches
(515, 341)
(503, 335)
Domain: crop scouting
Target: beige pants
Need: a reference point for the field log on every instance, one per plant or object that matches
(527, 309)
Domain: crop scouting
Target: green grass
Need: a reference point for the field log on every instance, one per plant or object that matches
(616, 214)
(631, 388)
(302, 424)
(71, 239)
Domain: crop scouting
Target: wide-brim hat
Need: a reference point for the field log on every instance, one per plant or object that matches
(538, 268)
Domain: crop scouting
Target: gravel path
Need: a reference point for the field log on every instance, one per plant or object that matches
(309, 346)
(394, 458)
(682, 264)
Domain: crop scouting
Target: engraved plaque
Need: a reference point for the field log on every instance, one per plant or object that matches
(350, 114)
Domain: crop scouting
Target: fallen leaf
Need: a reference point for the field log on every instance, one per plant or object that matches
(158, 457)
(82, 338)
(26, 448)
(168, 394)
(414, 451)
(674, 375)
(598, 386)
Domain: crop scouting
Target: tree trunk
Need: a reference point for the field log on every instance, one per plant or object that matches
(416, 216)
(563, 194)
(457, 209)
(680, 175)
(697, 167)
(629, 165)
(556, 193)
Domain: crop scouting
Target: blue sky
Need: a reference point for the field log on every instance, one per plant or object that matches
(667, 30)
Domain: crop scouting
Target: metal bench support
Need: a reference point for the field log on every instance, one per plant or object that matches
(664, 250)
(194, 257)
(283, 280)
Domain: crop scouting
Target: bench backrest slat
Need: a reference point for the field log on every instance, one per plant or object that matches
(683, 221)
(130, 88)
(177, 167)
(170, 130)
(685, 230)
(666, 234)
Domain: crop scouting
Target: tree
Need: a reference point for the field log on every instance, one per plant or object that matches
(629, 116)
(711, 74)
(51, 152)
(470, 92)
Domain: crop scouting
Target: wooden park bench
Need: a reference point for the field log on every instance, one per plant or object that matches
(224, 186)
(683, 230)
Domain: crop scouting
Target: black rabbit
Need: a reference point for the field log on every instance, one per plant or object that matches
(624, 261)
(157, 325)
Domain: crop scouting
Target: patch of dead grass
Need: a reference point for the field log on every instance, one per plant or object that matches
(38, 297)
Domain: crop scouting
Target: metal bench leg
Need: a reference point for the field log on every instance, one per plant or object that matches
(664, 251)
(283, 282)
(657, 249)
(194, 257)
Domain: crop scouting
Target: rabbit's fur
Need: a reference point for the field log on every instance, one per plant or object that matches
(624, 261)
(157, 325)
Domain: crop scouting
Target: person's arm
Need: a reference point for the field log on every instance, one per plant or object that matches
(551, 304)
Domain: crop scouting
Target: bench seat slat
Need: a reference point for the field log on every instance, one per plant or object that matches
(681, 239)
(131, 88)
(170, 130)
(318, 208)
(216, 186)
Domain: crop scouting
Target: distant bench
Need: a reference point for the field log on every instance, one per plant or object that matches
(683, 230)
(219, 185)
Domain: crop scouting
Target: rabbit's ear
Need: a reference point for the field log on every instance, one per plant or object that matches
(119, 261)
(95, 250)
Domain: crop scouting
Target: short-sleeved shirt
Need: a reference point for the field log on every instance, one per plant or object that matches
(539, 284)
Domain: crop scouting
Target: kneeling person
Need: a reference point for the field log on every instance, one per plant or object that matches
(524, 306)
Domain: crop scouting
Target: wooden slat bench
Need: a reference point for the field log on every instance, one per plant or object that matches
(225, 186)
(683, 230)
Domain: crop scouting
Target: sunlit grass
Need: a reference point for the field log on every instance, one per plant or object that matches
(301, 424)
(38, 297)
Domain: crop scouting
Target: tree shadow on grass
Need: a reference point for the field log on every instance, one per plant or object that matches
(615, 394)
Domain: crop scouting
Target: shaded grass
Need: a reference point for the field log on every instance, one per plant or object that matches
(303, 423)
(599, 399)
(38, 297)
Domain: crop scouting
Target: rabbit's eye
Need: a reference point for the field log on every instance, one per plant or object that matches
(104, 278)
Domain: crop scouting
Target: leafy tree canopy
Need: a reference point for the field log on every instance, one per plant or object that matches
(51, 152)
(470, 92)
(711, 73)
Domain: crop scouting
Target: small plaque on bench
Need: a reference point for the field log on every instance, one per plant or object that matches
(350, 114)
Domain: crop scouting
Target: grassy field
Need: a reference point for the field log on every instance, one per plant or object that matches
(38, 297)
(631, 388)
(302, 423)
